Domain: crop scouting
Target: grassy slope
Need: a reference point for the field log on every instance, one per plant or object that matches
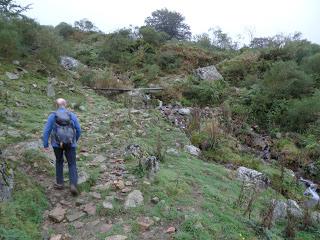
(198, 196)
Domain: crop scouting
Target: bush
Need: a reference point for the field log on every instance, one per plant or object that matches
(302, 113)
(207, 93)
(153, 37)
(169, 61)
(286, 80)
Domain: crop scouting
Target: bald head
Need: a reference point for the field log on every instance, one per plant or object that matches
(61, 102)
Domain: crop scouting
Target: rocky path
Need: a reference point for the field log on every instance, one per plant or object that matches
(107, 189)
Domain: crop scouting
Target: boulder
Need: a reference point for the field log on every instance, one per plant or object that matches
(252, 176)
(152, 165)
(193, 150)
(12, 76)
(75, 215)
(133, 150)
(145, 223)
(57, 214)
(90, 208)
(208, 73)
(134, 199)
(282, 207)
(184, 111)
(50, 90)
(69, 63)
(83, 177)
(6, 182)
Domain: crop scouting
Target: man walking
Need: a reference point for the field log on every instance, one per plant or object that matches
(64, 128)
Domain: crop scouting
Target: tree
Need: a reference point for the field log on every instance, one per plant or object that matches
(64, 29)
(221, 40)
(9, 8)
(169, 22)
(84, 25)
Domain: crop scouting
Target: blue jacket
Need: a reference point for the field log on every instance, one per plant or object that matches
(50, 125)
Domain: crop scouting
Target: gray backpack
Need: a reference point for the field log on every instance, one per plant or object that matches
(64, 131)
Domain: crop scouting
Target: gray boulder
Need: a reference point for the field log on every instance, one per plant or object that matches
(6, 182)
(12, 76)
(50, 90)
(152, 165)
(252, 176)
(208, 73)
(69, 63)
(184, 111)
(134, 199)
(193, 150)
(282, 207)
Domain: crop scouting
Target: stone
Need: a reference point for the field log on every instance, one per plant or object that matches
(82, 108)
(69, 63)
(78, 225)
(75, 216)
(126, 190)
(82, 177)
(133, 150)
(90, 208)
(155, 200)
(315, 218)
(105, 228)
(50, 90)
(107, 205)
(209, 73)
(12, 76)
(56, 237)
(119, 184)
(184, 111)
(103, 187)
(193, 150)
(152, 165)
(252, 176)
(134, 199)
(172, 151)
(145, 223)
(116, 237)
(128, 183)
(171, 230)
(156, 219)
(282, 207)
(6, 182)
(16, 62)
(57, 214)
(95, 195)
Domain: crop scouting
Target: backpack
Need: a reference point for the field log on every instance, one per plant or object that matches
(64, 131)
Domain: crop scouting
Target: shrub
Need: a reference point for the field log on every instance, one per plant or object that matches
(153, 37)
(286, 80)
(207, 93)
(302, 113)
(169, 61)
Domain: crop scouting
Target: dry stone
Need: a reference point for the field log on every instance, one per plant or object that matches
(209, 73)
(252, 176)
(57, 214)
(134, 199)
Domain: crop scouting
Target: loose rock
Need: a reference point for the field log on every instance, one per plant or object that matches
(193, 150)
(57, 214)
(134, 199)
(252, 176)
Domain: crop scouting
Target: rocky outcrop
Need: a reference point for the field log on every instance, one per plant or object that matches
(252, 176)
(193, 150)
(209, 73)
(6, 181)
(69, 63)
(152, 165)
(282, 207)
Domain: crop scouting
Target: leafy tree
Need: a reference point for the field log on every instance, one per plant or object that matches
(9, 8)
(84, 25)
(203, 40)
(169, 22)
(64, 29)
(221, 40)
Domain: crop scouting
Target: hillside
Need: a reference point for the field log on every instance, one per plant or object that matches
(205, 158)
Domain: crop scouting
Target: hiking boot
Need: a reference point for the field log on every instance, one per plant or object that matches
(58, 186)
(73, 189)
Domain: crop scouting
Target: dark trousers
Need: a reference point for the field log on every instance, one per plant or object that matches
(70, 155)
